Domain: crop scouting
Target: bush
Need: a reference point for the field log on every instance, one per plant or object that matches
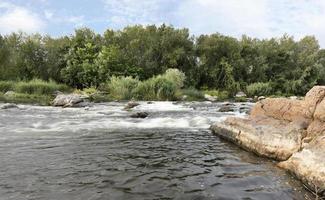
(121, 88)
(6, 86)
(222, 95)
(39, 87)
(175, 76)
(259, 89)
(193, 94)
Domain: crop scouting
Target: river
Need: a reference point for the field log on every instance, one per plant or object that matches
(102, 153)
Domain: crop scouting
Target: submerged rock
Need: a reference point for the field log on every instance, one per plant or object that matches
(286, 129)
(140, 115)
(8, 106)
(131, 105)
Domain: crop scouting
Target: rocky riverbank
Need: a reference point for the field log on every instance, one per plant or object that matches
(288, 130)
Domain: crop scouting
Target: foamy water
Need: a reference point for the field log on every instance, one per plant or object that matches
(102, 153)
(111, 116)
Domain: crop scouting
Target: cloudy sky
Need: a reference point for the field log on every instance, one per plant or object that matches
(258, 18)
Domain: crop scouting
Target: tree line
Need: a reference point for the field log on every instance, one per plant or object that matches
(87, 59)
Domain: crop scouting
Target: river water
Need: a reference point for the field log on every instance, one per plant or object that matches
(102, 153)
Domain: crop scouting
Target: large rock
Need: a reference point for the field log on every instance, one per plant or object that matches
(140, 115)
(286, 129)
(210, 98)
(265, 136)
(131, 105)
(67, 100)
(309, 165)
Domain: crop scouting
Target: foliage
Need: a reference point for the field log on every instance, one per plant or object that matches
(192, 94)
(217, 62)
(161, 87)
(26, 98)
(259, 89)
(121, 88)
(39, 87)
(6, 86)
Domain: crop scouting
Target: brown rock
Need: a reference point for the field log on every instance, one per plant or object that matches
(281, 108)
(265, 136)
(309, 164)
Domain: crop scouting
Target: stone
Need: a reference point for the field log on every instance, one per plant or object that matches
(140, 115)
(210, 98)
(265, 136)
(226, 108)
(309, 165)
(261, 98)
(131, 105)
(67, 100)
(10, 93)
(240, 94)
(282, 109)
(291, 130)
(8, 106)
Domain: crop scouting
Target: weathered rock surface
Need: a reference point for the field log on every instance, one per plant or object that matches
(265, 136)
(285, 129)
(67, 100)
(309, 164)
(8, 106)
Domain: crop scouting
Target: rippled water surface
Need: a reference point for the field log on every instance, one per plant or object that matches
(102, 153)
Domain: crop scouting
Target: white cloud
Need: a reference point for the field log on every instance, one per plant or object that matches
(14, 18)
(126, 12)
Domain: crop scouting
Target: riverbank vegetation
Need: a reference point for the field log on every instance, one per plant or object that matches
(131, 63)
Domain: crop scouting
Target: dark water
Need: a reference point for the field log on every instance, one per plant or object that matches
(101, 153)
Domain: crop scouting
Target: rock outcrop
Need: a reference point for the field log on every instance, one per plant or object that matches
(285, 129)
(69, 100)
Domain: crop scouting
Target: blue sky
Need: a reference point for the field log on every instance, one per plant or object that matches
(257, 18)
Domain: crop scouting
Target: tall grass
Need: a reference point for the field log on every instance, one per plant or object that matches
(161, 87)
(39, 87)
(193, 94)
(6, 86)
(120, 88)
(35, 86)
(258, 89)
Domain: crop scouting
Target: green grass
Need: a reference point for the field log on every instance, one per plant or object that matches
(39, 87)
(193, 94)
(26, 99)
(30, 92)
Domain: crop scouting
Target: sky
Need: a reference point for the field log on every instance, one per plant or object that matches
(255, 18)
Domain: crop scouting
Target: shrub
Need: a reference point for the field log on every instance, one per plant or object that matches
(121, 88)
(258, 89)
(39, 87)
(193, 94)
(175, 76)
(6, 86)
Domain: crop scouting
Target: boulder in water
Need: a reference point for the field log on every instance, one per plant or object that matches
(240, 94)
(210, 98)
(67, 100)
(8, 106)
(140, 115)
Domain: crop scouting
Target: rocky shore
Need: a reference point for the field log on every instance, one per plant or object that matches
(290, 131)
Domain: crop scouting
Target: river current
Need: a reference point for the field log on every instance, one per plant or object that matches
(101, 152)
